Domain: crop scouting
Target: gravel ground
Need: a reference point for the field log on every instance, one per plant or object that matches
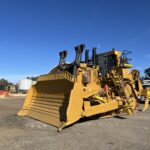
(23, 133)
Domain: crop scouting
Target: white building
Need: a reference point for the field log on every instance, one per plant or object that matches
(25, 84)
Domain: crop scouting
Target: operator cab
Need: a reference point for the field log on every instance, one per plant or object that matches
(113, 59)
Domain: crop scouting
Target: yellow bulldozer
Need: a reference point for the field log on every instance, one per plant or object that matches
(101, 84)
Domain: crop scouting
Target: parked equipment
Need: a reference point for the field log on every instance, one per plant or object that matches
(146, 79)
(102, 84)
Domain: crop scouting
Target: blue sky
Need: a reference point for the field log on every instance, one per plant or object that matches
(32, 32)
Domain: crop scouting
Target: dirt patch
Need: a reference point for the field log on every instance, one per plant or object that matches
(24, 133)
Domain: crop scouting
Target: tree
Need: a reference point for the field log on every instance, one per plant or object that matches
(32, 78)
(5, 82)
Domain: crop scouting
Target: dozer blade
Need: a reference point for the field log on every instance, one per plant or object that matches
(52, 100)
